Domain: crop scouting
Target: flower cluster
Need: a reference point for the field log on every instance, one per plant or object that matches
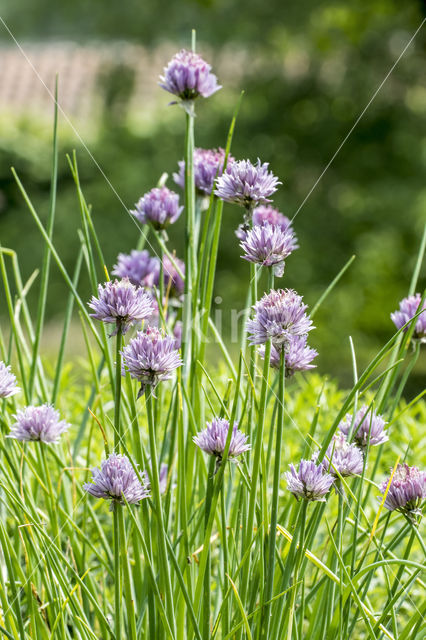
(159, 207)
(265, 214)
(150, 357)
(298, 355)
(269, 246)
(8, 385)
(139, 267)
(188, 76)
(407, 490)
(208, 165)
(117, 481)
(342, 457)
(309, 482)
(246, 184)
(38, 423)
(366, 427)
(278, 316)
(408, 308)
(213, 439)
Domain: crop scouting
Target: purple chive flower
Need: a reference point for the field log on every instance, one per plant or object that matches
(150, 358)
(269, 246)
(122, 304)
(208, 164)
(278, 316)
(188, 76)
(246, 184)
(38, 423)
(297, 355)
(177, 333)
(8, 386)
(213, 440)
(117, 479)
(173, 282)
(407, 490)
(139, 267)
(408, 307)
(342, 457)
(368, 427)
(267, 214)
(309, 482)
(160, 207)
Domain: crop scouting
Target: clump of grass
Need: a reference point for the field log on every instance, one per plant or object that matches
(192, 545)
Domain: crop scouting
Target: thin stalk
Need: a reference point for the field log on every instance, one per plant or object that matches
(189, 242)
(299, 557)
(117, 396)
(124, 559)
(275, 495)
(207, 576)
(117, 573)
(155, 486)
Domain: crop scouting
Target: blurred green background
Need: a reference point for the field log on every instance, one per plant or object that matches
(308, 70)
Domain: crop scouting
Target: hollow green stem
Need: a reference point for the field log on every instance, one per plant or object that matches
(124, 560)
(117, 397)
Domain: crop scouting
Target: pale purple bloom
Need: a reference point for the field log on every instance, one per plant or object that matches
(267, 214)
(160, 207)
(151, 357)
(297, 355)
(309, 481)
(8, 386)
(119, 302)
(278, 316)
(407, 489)
(368, 427)
(213, 439)
(38, 423)
(408, 307)
(117, 479)
(174, 284)
(188, 76)
(208, 164)
(177, 332)
(139, 267)
(246, 184)
(269, 246)
(342, 457)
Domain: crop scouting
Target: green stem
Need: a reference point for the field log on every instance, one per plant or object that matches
(117, 398)
(155, 486)
(117, 572)
(124, 559)
(275, 494)
(46, 474)
(299, 557)
(207, 583)
(189, 241)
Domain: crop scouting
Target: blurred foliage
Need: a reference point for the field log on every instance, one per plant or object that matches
(308, 70)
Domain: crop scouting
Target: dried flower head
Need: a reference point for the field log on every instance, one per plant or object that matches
(297, 355)
(188, 76)
(368, 427)
(342, 457)
(151, 357)
(408, 307)
(117, 480)
(212, 440)
(38, 423)
(309, 481)
(269, 246)
(8, 385)
(159, 207)
(208, 164)
(278, 316)
(119, 302)
(407, 490)
(139, 267)
(246, 184)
